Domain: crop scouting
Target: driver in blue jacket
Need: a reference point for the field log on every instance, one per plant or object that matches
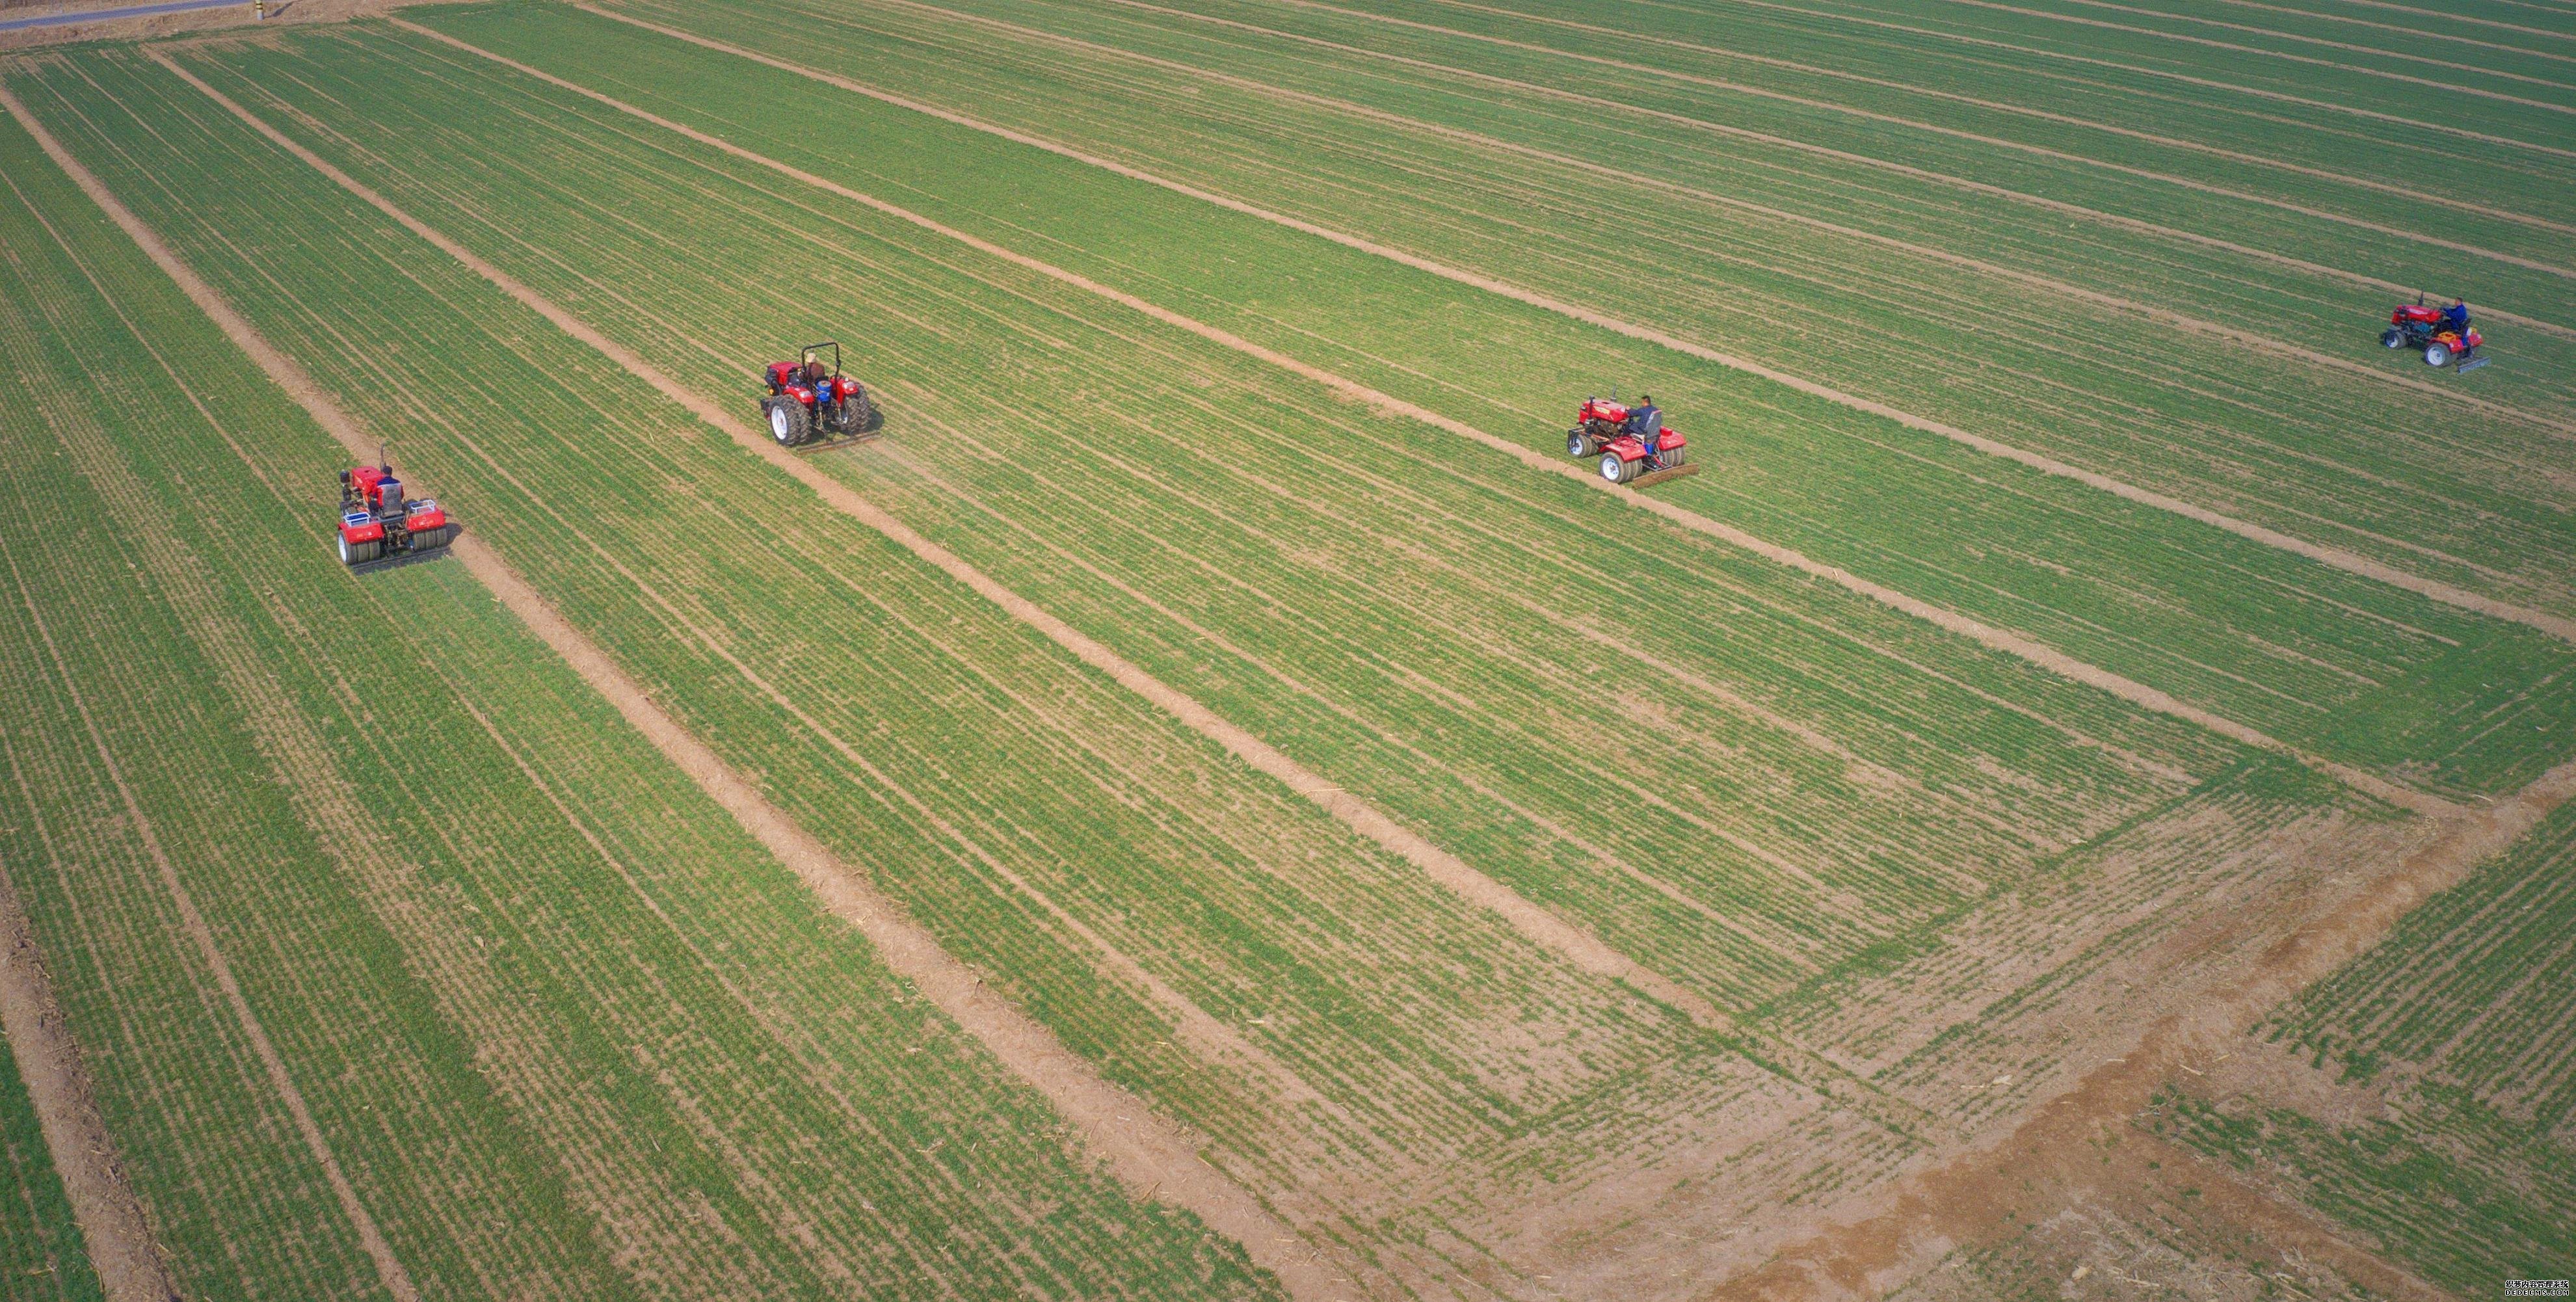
(2456, 316)
(1647, 423)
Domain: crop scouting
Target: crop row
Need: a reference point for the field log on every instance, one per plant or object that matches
(40, 1245)
(2472, 991)
(2461, 1200)
(1422, 636)
(2029, 978)
(566, 1028)
(2458, 1022)
(1648, 222)
(250, 1213)
(1664, 61)
(1053, 831)
(1918, 66)
(1685, 110)
(2411, 680)
(2507, 102)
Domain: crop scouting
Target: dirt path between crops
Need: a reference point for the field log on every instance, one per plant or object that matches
(1569, 941)
(1963, 1200)
(1591, 953)
(389, 1268)
(1147, 1153)
(1150, 1155)
(2350, 562)
(2065, 289)
(122, 1248)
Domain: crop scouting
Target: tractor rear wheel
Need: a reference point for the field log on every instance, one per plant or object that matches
(2391, 337)
(1578, 444)
(358, 553)
(864, 416)
(2437, 354)
(431, 539)
(1676, 456)
(789, 422)
(1614, 469)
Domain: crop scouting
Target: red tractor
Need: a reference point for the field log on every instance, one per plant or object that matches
(811, 409)
(2442, 334)
(1632, 442)
(379, 526)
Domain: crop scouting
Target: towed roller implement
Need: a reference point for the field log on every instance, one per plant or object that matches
(1631, 444)
(381, 528)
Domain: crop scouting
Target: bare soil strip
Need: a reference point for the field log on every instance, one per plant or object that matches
(121, 1244)
(2350, 562)
(1567, 940)
(2065, 289)
(1205, 1034)
(1993, 638)
(1960, 1201)
(389, 1268)
(1147, 1152)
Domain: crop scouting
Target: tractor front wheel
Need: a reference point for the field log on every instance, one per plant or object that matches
(1614, 469)
(789, 422)
(2437, 354)
(1578, 444)
(2391, 337)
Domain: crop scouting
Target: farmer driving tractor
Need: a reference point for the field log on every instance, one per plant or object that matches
(1646, 421)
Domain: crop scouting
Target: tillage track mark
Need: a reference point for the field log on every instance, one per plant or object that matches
(2338, 558)
(1147, 1152)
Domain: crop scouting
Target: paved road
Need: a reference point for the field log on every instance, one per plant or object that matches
(99, 15)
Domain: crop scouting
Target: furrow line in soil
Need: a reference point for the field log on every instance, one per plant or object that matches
(2338, 558)
(2022, 110)
(390, 1270)
(121, 1244)
(2161, 315)
(1572, 942)
(1149, 1154)
(1936, 1206)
